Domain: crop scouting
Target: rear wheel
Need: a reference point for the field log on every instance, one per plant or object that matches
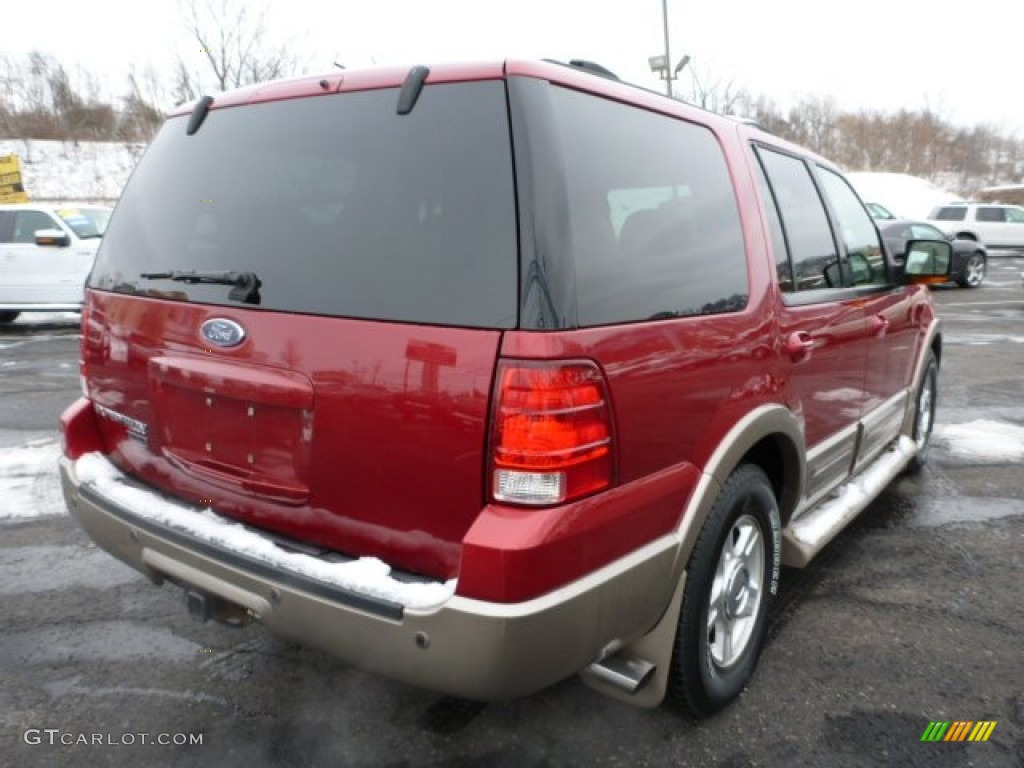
(731, 579)
(8, 317)
(924, 413)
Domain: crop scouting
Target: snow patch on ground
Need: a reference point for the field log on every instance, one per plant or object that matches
(29, 483)
(982, 440)
(367, 575)
(954, 510)
(38, 318)
(83, 171)
(983, 339)
(39, 569)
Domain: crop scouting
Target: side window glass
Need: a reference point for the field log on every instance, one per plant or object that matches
(804, 220)
(951, 214)
(1015, 215)
(653, 221)
(989, 214)
(26, 223)
(864, 254)
(925, 232)
(6, 226)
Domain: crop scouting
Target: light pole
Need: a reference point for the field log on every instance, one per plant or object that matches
(662, 63)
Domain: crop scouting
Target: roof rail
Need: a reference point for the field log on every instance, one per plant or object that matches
(587, 66)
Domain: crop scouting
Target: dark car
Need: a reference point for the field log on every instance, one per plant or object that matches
(970, 259)
(426, 368)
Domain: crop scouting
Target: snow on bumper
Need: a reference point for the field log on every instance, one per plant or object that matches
(366, 576)
(422, 634)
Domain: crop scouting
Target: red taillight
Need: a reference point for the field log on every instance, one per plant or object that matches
(552, 438)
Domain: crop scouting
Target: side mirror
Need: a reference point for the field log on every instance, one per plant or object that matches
(927, 261)
(52, 237)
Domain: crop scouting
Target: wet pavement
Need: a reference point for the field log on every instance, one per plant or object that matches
(912, 615)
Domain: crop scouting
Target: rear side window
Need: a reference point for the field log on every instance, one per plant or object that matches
(655, 228)
(989, 214)
(339, 206)
(951, 214)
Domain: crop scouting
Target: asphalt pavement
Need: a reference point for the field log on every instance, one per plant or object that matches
(913, 615)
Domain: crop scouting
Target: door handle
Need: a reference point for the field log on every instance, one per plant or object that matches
(799, 346)
(879, 325)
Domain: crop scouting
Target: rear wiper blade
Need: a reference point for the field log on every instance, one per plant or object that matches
(246, 284)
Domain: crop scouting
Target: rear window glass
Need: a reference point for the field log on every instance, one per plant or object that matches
(336, 203)
(654, 223)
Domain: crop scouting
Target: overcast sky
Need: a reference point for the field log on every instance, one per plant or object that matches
(961, 59)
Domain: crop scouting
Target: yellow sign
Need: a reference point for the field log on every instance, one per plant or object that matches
(12, 190)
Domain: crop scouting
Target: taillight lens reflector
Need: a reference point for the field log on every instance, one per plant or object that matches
(552, 439)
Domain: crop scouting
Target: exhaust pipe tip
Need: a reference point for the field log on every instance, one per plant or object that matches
(624, 673)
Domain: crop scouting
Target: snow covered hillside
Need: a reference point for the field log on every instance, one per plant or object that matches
(85, 171)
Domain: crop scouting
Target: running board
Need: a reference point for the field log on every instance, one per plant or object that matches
(812, 529)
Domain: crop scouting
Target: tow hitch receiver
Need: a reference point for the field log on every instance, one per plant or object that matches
(202, 607)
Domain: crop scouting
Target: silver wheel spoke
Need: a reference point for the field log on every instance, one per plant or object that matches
(735, 593)
(924, 412)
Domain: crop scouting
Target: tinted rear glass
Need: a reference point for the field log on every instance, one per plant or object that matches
(989, 214)
(950, 214)
(655, 226)
(339, 206)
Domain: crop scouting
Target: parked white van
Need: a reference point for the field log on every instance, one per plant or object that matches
(46, 252)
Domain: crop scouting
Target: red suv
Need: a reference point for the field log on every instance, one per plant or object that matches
(480, 376)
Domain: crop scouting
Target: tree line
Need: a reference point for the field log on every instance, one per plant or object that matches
(917, 142)
(41, 99)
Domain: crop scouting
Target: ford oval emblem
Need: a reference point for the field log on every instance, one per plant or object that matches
(222, 332)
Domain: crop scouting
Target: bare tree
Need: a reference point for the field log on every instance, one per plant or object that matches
(140, 115)
(714, 94)
(231, 37)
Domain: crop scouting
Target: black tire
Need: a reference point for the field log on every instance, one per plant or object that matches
(732, 575)
(924, 413)
(8, 317)
(974, 271)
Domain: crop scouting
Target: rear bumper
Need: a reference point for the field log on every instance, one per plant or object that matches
(458, 646)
